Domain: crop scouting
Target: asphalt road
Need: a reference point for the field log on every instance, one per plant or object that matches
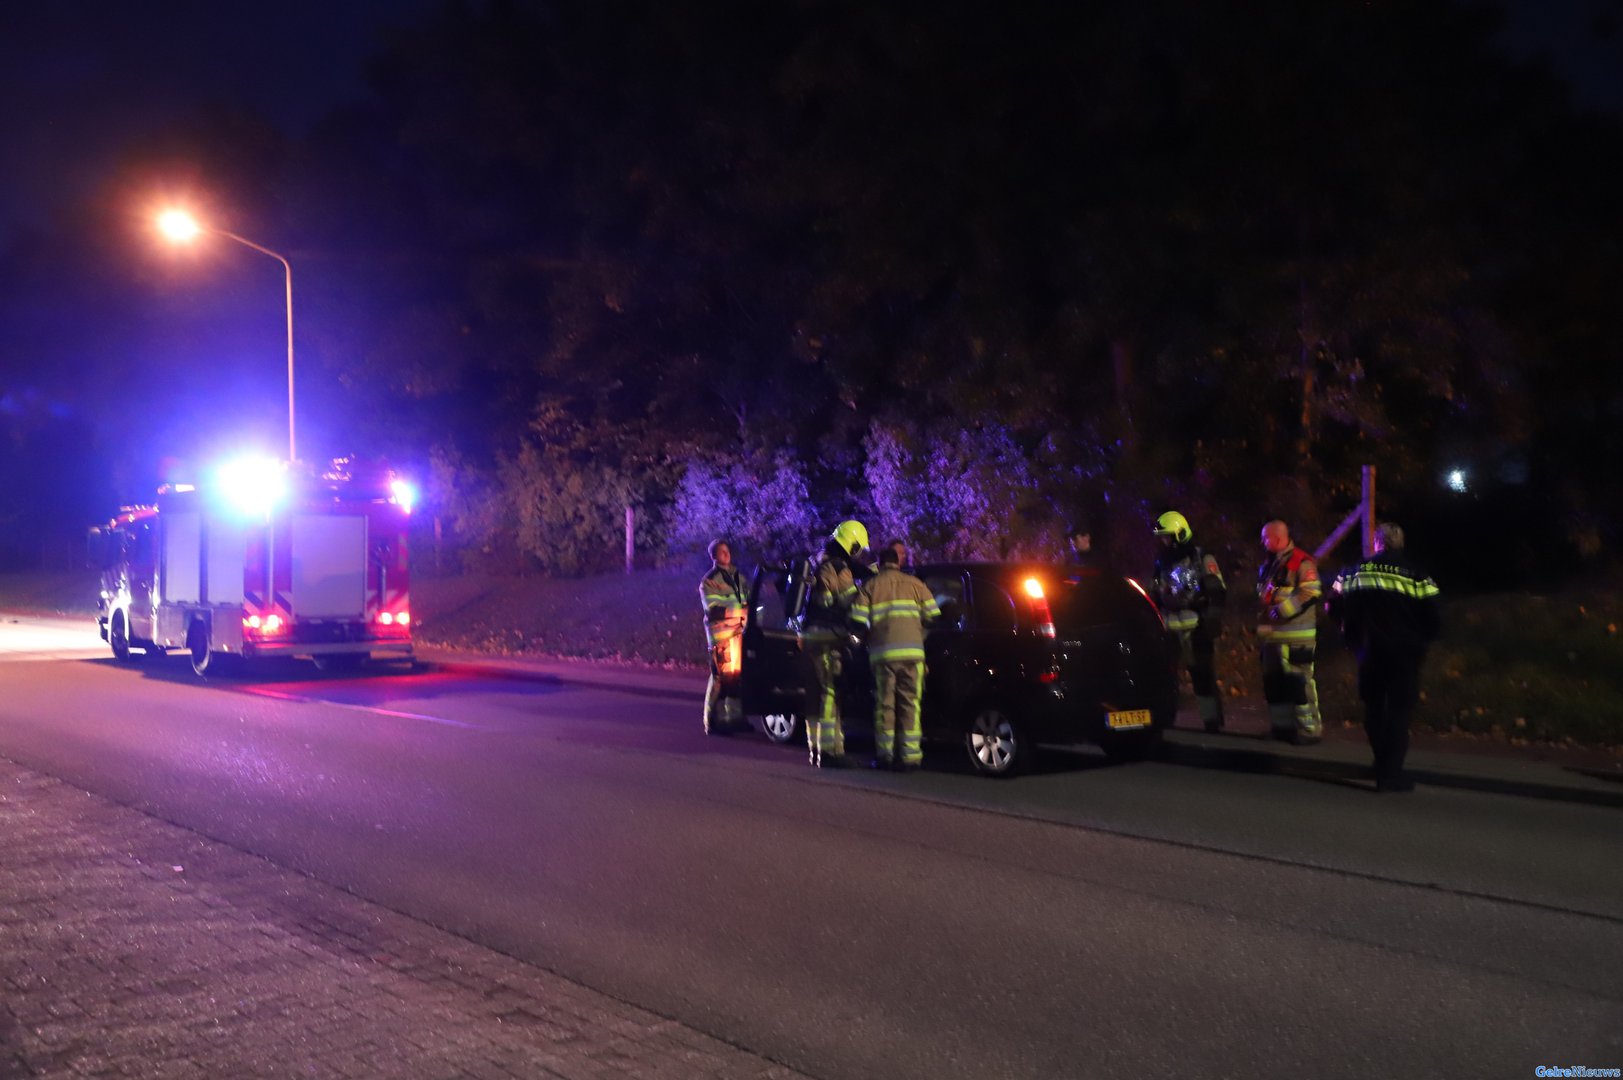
(1092, 920)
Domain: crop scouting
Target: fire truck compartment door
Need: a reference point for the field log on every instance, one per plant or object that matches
(329, 566)
(182, 557)
(228, 555)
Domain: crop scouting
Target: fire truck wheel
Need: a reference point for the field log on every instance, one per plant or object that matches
(204, 660)
(118, 636)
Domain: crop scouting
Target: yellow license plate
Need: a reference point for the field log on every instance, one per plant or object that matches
(1121, 721)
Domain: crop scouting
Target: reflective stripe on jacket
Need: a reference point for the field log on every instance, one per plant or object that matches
(828, 610)
(1187, 583)
(894, 608)
(1289, 588)
(1386, 603)
(721, 593)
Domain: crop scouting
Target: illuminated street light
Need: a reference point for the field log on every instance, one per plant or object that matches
(181, 228)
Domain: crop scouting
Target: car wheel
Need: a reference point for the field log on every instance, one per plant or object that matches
(118, 636)
(996, 743)
(781, 727)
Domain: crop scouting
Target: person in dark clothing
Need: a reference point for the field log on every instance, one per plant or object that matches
(1080, 537)
(1388, 613)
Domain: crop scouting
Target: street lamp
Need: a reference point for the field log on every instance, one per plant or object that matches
(182, 228)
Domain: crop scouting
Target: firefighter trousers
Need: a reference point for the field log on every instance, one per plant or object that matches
(824, 735)
(1389, 684)
(898, 695)
(1288, 687)
(723, 694)
(1198, 646)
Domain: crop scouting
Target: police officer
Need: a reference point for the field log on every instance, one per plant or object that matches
(721, 593)
(1288, 591)
(893, 609)
(1388, 613)
(824, 638)
(1188, 584)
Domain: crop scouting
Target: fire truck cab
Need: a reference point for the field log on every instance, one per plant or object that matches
(264, 560)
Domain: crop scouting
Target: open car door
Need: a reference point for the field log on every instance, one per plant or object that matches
(773, 676)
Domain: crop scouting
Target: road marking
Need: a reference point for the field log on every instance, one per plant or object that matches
(282, 695)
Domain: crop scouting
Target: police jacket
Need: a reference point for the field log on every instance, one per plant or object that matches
(1386, 603)
(893, 608)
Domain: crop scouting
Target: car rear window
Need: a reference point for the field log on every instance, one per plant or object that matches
(1103, 600)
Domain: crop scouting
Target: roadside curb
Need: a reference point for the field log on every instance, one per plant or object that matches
(1347, 763)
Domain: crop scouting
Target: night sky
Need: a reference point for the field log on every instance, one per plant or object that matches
(85, 87)
(79, 78)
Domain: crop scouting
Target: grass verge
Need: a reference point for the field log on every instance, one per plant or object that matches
(1525, 668)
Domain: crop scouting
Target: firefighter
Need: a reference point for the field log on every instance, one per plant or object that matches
(824, 639)
(1288, 590)
(892, 610)
(1388, 613)
(721, 593)
(1188, 584)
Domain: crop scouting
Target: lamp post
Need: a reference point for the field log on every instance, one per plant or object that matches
(182, 228)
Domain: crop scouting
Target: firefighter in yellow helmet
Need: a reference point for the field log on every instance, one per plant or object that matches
(1288, 589)
(1188, 585)
(824, 637)
(721, 593)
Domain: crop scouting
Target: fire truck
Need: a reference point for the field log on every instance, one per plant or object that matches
(262, 560)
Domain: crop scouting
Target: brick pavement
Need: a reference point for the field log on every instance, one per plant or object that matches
(130, 947)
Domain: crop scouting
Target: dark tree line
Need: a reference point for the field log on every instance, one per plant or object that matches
(968, 270)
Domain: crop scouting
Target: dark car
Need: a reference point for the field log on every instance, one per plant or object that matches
(1025, 654)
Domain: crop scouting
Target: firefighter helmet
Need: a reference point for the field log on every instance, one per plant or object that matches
(851, 536)
(1175, 525)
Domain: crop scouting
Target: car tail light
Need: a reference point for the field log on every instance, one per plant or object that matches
(270, 624)
(1039, 606)
(386, 618)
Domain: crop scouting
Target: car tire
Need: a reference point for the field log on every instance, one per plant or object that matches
(997, 742)
(118, 636)
(782, 728)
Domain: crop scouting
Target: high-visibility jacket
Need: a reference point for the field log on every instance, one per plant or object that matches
(1386, 603)
(725, 605)
(893, 608)
(1288, 587)
(1188, 582)
(828, 608)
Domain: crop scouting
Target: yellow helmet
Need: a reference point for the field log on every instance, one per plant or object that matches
(1175, 525)
(851, 536)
